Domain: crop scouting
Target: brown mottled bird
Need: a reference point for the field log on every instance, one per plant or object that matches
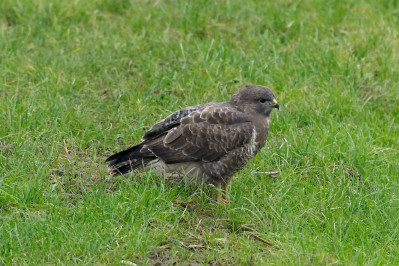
(206, 143)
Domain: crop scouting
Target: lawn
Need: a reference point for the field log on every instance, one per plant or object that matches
(80, 80)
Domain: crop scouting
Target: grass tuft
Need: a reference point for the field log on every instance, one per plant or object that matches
(80, 80)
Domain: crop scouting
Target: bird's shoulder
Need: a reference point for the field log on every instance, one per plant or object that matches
(170, 121)
(211, 113)
(217, 113)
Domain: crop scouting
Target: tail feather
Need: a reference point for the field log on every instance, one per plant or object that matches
(127, 160)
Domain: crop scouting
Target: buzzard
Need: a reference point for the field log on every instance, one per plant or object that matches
(206, 143)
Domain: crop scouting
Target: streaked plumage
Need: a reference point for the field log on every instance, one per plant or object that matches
(204, 143)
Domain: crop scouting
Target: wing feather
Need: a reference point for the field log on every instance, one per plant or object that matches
(170, 121)
(206, 134)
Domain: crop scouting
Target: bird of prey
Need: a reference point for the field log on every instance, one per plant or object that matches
(206, 143)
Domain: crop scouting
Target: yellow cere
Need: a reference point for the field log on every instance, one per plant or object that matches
(274, 101)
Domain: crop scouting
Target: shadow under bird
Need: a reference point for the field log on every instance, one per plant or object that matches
(206, 143)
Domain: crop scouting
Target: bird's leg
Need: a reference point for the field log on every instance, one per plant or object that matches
(226, 193)
(219, 198)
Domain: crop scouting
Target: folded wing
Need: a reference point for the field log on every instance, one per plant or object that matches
(206, 135)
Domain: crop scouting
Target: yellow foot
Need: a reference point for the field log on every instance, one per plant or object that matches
(219, 197)
(226, 193)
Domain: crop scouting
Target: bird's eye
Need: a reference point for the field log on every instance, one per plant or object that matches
(262, 100)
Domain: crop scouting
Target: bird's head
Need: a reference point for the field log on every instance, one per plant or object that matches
(254, 98)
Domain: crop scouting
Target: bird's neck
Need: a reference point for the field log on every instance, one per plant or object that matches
(262, 125)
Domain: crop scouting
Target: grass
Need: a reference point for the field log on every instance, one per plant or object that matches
(80, 80)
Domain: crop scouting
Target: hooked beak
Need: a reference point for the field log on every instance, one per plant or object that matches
(275, 104)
